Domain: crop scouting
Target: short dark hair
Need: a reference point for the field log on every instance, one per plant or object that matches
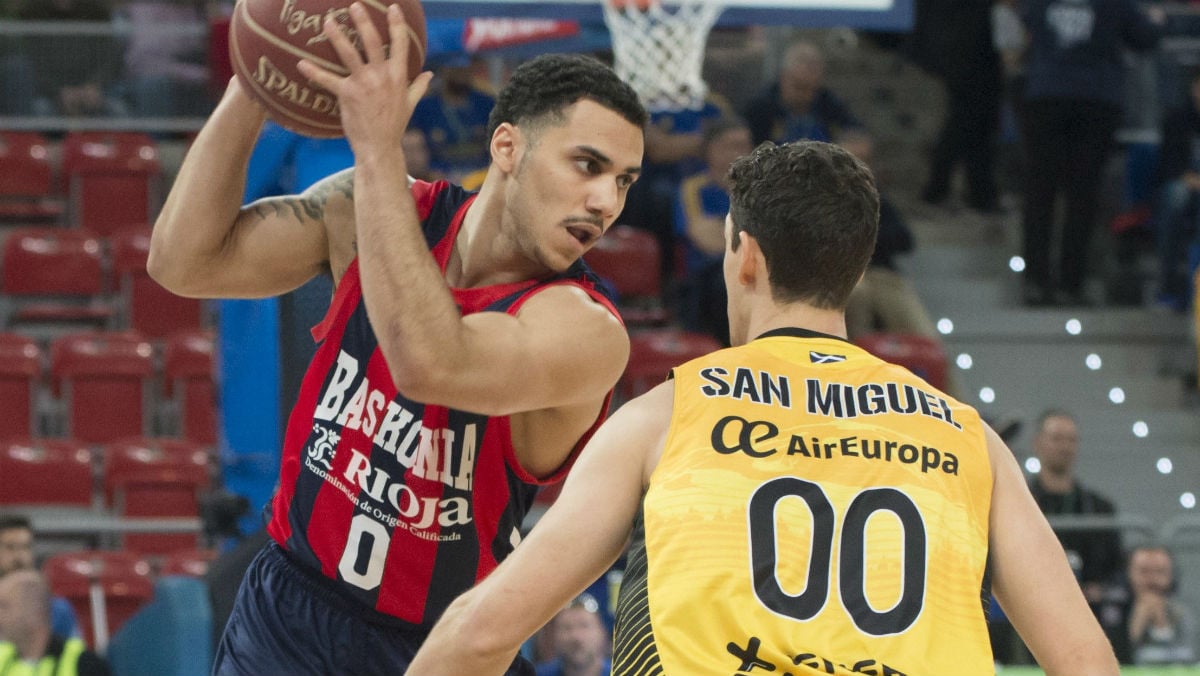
(15, 521)
(814, 210)
(546, 85)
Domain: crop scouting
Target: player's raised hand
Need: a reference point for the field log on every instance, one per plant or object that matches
(376, 99)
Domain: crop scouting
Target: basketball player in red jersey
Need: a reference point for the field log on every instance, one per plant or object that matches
(466, 355)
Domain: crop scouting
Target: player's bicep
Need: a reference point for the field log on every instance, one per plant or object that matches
(279, 243)
(561, 349)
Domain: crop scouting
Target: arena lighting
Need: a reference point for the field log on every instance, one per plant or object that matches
(1116, 395)
(1074, 327)
(1164, 465)
(1188, 500)
(1033, 465)
(1141, 429)
(945, 326)
(1016, 264)
(987, 395)
(1093, 361)
(964, 361)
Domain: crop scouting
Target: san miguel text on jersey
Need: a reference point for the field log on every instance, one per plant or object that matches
(762, 438)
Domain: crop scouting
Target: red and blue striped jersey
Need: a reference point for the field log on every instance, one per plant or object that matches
(402, 505)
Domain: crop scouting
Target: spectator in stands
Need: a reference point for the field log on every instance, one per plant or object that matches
(16, 554)
(1161, 629)
(580, 641)
(798, 105)
(28, 645)
(701, 205)
(673, 152)
(1143, 619)
(1178, 219)
(416, 152)
(72, 73)
(164, 67)
(1095, 555)
(1072, 105)
(1010, 39)
(955, 41)
(453, 116)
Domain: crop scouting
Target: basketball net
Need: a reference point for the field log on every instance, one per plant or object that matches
(660, 51)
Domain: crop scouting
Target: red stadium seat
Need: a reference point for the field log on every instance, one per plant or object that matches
(188, 562)
(628, 258)
(54, 275)
(149, 478)
(111, 178)
(50, 472)
(147, 307)
(652, 354)
(102, 380)
(20, 374)
(123, 580)
(188, 383)
(27, 179)
(922, 355)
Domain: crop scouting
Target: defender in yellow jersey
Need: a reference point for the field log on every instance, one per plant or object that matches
(796, 505)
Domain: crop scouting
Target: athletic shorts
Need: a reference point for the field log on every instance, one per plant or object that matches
(286, 621)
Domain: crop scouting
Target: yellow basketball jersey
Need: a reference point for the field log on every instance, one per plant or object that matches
(816, 511)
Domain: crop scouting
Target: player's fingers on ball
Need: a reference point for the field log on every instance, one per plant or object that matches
(372, 44)
(318, 75)
(398, 32)
(341, 44)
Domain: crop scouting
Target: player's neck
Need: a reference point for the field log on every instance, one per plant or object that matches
(483, 255)
(771, 316)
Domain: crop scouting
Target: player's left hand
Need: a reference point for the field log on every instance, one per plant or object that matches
(376, 98)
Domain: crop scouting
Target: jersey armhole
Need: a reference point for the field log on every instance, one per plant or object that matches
(348, 283)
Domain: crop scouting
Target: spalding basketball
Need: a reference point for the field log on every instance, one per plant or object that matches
(268, 37)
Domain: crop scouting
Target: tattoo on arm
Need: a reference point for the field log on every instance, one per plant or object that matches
(311, 205)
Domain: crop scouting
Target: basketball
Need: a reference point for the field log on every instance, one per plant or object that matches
(268, 37)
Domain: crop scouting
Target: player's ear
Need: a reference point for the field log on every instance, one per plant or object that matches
(748, 264)
(505, 147)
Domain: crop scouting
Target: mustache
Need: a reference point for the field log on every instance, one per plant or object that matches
(589, 220)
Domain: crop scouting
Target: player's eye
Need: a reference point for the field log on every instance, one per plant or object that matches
(588, 165)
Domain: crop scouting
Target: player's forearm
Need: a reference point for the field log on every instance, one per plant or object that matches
(203, 204)
(1089, 657)
(460, 646)
(414, 316)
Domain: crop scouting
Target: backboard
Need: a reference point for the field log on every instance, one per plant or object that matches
(883, 15)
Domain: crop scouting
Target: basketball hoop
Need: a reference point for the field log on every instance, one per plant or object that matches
(660, 51)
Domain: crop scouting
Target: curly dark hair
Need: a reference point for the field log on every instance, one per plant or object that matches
(814, 210)
(544, 86)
